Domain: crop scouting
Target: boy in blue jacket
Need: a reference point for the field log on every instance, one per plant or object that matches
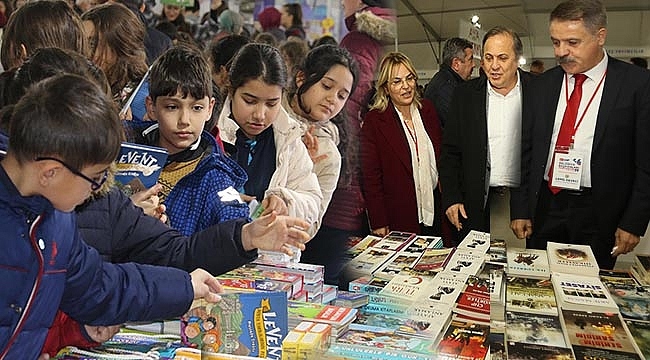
(199, 182)
(49, 169)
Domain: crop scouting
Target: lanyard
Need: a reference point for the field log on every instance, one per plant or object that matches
(566, 93)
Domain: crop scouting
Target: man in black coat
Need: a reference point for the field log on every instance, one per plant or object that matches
(608, 207)
(476, 165)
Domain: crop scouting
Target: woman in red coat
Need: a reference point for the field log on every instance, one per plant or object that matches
(400, 145)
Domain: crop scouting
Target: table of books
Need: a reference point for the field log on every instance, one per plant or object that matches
(410, 298)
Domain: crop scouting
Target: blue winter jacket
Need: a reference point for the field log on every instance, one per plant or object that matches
(45, 266)
(194, 203)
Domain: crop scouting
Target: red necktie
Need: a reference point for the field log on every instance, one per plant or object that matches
(568, 124)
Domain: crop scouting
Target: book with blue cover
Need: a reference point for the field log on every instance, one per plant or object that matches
(139, 166)
(242, 323)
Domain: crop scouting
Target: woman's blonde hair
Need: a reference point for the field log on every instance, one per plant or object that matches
(381, 99)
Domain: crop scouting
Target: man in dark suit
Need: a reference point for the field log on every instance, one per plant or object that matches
(481, 141)
(602, 196)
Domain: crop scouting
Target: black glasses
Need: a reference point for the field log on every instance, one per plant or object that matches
(94, 184)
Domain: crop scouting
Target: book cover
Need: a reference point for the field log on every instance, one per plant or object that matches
(427, 320)
(600, 335)
(571, 259)
(406, 287)
(465, 262)
(394, 241)
(139, 166)
(327, 314)
(350, 299)
(532, 263)
(616, 278)
(248, 323)
(476, 241)
(531, 295)
(346, 351)
(386, 341)
(525, 351)
(477, 306)
(445, 288)
(296, 281)
(396, 263)
(255, 284)
(432, 260)
(633, 301)
(534, 329)
(367, 285)
(354, 249)
(368, 261)
(576, 292)
(640, 331)
(464, 340)
(421, 243)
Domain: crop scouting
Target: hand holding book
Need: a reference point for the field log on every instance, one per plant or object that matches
(149, 202)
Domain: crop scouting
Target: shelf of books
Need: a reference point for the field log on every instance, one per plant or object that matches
(410, 298)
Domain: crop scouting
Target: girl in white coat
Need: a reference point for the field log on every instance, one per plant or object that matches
(265, 140)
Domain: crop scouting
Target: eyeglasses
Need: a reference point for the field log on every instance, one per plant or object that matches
(94, 184)
(409, 80)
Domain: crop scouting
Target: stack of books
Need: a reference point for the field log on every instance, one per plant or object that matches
(530, 263)
(338, 317)
(312, 275)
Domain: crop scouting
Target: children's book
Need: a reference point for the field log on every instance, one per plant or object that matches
(576, 292)
(571, 259)
(247, 323)
(139, 166)
(598, 335)
(531, 263)
(531, 296)
(534, 329)
(640, 331)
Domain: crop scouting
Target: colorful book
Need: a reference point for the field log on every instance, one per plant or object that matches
(633, 301)
(534, 329)
(245, 272)
(600, 335)
(531, 296)
(138, 167)
(464, 340)
(327, 314)
(367, 285)
(531, 263)
(431, 261)
(248, 323)
(386, 341)
(576, 292)
(571, 259)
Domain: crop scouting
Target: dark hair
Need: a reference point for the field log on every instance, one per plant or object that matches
(117, 28)
(294, 10)
(222, 51)
(518, 47)
(641, 62)
(590, 12)
(183, 70)
(41, 24)
(68, 117)
(48, 62)
(257, 61)
(325, 40)
(455, 48)
(317, 63)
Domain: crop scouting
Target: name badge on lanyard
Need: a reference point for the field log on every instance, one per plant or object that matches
(567, 169)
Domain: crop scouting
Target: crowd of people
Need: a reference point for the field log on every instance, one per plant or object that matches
(332, 140)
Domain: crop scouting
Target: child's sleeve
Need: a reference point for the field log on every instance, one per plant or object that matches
(100, 293)
(65, 332)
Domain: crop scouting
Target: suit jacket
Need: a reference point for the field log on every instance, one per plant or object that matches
(387, 181)
(620, 157)
(464, 168)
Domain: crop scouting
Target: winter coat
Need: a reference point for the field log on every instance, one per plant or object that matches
(46, 266)
(370, 28)
(194, 203)
(293, 180)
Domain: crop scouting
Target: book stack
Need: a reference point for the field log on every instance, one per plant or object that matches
(338, 317)
(577, 292)
(312, 275)
(308, 340)
(350, 299)
(247, 323)
(530, 263)
(280, 279)
(464, 339)
(376, 253)
(641, 269)
(474, 301)
(497, 253)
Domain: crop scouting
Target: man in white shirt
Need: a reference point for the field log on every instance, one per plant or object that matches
(480, 158)
(585, 163)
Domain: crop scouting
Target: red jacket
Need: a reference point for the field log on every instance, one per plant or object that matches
(66, 332)
(388, 184)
